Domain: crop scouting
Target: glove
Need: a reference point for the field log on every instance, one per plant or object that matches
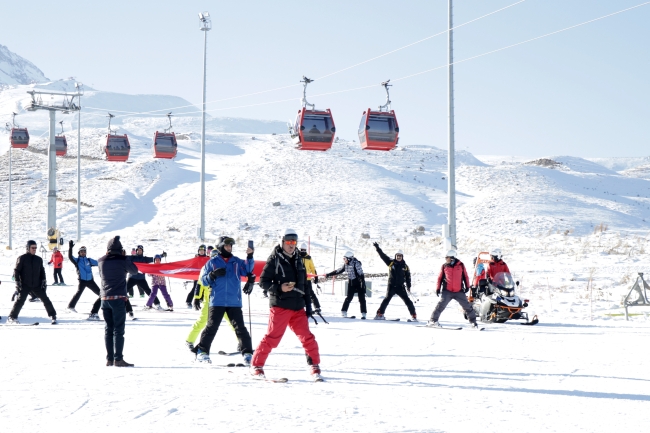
(219, 272)
(317, 311)
(376, 245)
(44, 284)
(315, 279)
(328, 275)
(250, 284)
(438, 292)
(309, 313)
(197, 304)
(249, 256)
(164, 254)
(71, 244)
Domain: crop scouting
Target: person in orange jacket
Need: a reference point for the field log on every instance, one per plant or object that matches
(57, 260)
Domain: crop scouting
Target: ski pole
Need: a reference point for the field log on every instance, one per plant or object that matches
(169, 281)
(321, 316)
(250, 323)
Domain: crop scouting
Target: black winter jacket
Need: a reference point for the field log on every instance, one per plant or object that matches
(399, 273)
(29, 272)
(281, 269)
(112, 270)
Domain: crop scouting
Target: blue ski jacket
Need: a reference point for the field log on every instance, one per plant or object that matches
(226, 290)
(84, 266)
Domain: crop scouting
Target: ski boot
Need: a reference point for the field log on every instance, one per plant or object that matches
(315, 373)
(12, 321)
(247, 359)
(258, 373)
(170, 307)
(379, 316)
(189, 305)
(363, 316)
(203, 357)
(70, 310)
(432, 324)
(189, 346)
(54, 322)
(93, 316)
(157, 307)
(146, 308)
(414, 318)
(344, 314)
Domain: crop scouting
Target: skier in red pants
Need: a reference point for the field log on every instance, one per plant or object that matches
(284, 278)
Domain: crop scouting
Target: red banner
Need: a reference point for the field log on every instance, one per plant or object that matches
(188, 269)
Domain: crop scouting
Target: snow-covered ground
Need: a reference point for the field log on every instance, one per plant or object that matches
(561, 222)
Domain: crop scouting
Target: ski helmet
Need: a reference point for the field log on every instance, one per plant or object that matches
(496, 253)
(303, 246)
(451, 253)
(157, 256)
(201, 247)
(29, 244)
(139, 247)
(348, 255)
(290, 235)
(81, 249)
(223, 241)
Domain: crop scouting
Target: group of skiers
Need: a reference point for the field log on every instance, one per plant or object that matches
(286, 279)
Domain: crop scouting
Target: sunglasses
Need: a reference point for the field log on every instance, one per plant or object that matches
(291, 242)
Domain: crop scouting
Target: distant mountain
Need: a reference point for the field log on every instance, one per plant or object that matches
(17, 70)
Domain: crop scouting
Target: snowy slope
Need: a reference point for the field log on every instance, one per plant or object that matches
(14, 69)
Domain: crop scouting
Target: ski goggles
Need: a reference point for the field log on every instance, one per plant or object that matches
(291, 242)
(201, 247)
(228, 241)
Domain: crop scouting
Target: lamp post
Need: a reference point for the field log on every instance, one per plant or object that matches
(206, 25)
(79, 86)
(451, 177)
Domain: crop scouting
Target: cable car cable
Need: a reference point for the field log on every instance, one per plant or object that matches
(324, 76)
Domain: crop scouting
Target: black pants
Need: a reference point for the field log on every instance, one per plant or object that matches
(312, 295)
(22, 296)
(190, 295)
(143, 288)
(57, 275)
(80, 289)
(115, 317)
(354, 286)
(401, 292)
(215, 315)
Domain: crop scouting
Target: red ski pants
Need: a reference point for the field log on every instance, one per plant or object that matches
(279, 318)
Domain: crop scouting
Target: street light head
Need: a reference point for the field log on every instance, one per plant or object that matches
(206, 23)
(201, 16)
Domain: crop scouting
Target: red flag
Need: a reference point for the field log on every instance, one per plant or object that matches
(188, 269)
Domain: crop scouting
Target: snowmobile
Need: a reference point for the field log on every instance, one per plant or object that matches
(495, 301)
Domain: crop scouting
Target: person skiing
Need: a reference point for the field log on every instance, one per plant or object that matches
(158, 283)
(399, 275)
(223, 274)
(29, 275)
(188, 300)
(113, 268)
(284, 279)
(84, 266)
(356, 283)
(453, 282)
(202, 293)
(138, 278)
(310, 269)
(496, 264)
(57, 260)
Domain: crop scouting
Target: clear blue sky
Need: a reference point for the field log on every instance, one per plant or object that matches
(583, 92)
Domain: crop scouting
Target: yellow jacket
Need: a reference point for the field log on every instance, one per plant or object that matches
(309, 265)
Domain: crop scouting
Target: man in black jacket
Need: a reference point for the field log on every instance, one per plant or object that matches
(283, 277)
(30, 277)
(399, 276)
(112, 270)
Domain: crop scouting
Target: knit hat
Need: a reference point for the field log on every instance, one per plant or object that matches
(114, 246)
(303, 246)
(157, 256)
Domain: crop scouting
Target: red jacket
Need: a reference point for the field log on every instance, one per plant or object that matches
(495, 267)
(57, 259)
(452, 277)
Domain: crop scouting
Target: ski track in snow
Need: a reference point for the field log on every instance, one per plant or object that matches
(580, 369)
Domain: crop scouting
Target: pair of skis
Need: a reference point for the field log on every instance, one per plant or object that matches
(449, 329)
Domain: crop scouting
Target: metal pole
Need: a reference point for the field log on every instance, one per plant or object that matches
(205, 51)
(79, 173)
(10, 163)
(451, 178)
(51, 194)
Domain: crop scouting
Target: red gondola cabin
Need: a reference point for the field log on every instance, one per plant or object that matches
(61, 145)
(117, 148)
(378, 130)
(19, 138)
(314, 129)
(164, 145)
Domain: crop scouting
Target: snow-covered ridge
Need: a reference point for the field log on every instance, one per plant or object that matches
(18, 70)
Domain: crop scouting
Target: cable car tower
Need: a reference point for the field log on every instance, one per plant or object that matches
(378, 130)
(313, 129)
(64, 102)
